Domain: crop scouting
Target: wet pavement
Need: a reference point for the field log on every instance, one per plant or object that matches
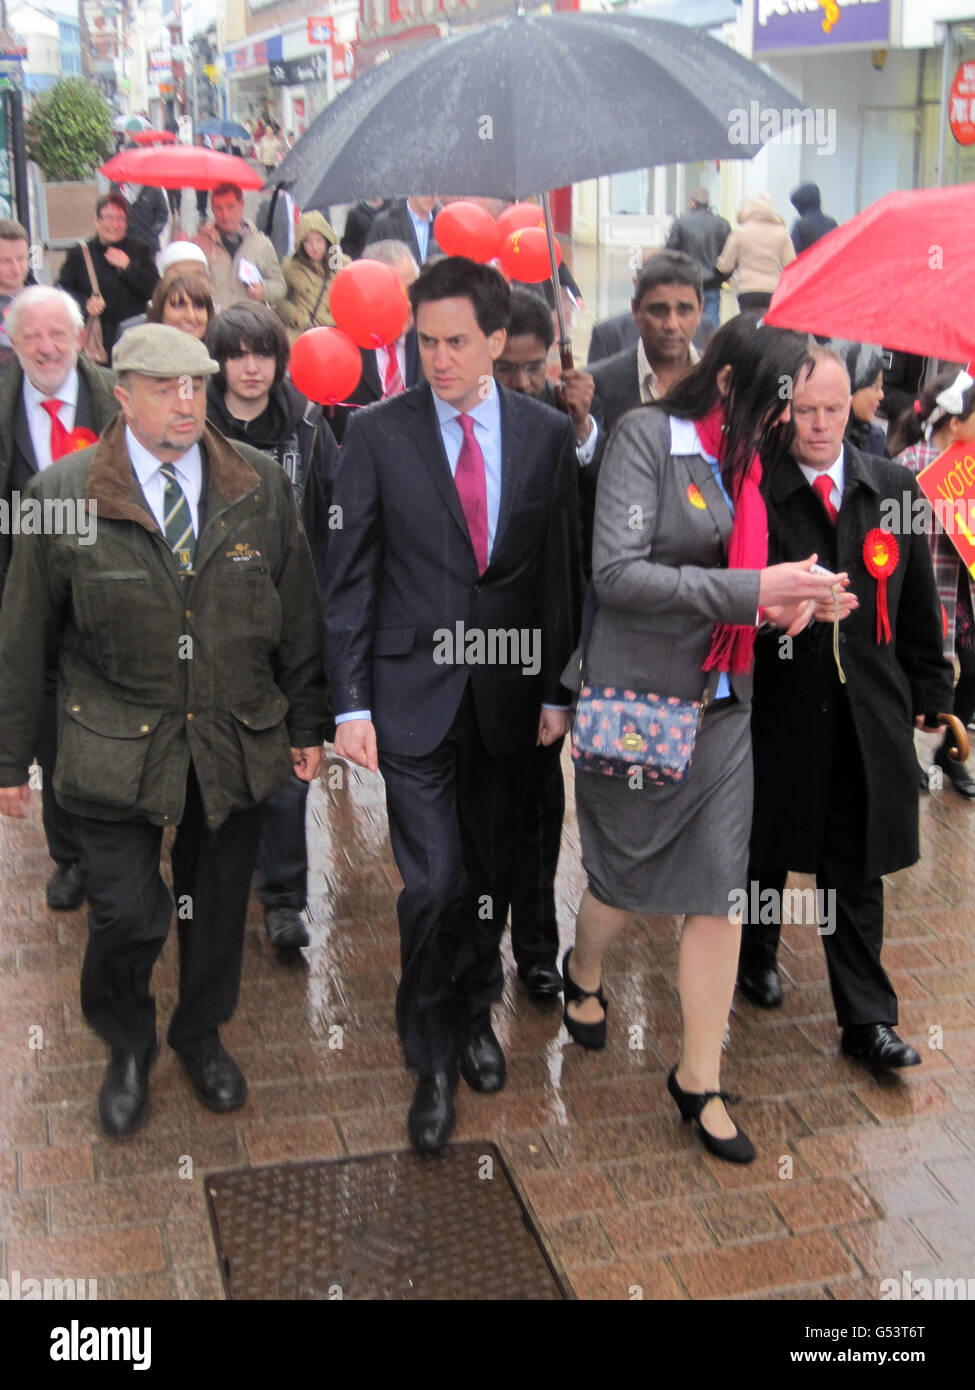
(857, 1179)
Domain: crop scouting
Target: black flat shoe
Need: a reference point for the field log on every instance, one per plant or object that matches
(123, 1101)
(591, 1035)
(738, 1149)
(217, 1080)
(66, 889)
(878, 1045)
(432, 1118)
(285, 928)
(542, 981)
(762, 987)
(482, 1063)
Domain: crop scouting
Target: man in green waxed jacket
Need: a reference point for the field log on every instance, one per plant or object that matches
(169, 571)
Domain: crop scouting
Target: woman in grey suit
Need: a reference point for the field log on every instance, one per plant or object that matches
(680, 574)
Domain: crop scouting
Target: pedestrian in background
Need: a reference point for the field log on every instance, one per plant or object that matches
(757, 251)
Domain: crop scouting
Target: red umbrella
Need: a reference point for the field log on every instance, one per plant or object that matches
(900, 273)
(153, 137)
(180, 166)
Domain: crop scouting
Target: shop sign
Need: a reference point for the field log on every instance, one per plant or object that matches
(789, 26)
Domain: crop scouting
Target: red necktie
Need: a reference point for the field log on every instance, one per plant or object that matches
(822, 487)
(59, 435)
(472, 491)
(393, 383)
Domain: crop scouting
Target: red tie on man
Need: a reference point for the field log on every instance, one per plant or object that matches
(472, 491)
(393, 383)
(59, 435)
(822, 487)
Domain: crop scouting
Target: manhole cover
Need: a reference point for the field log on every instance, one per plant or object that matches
(386, 1226)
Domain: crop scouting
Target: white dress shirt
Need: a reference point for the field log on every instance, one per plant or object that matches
(39, 421)
(836, 475)
(188, 470)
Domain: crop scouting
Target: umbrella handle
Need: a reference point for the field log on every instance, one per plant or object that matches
(958, 753)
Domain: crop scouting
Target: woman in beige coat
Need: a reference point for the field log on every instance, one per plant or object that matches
(758, 250)
(308, 275)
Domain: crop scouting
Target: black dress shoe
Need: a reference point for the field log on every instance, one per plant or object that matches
(738, 1149)
(878, 1044)
(762, 987)
(432, 1118)
(123, 1101)
(956, 773)
(285, 928)
(482, 1063)
(217, 1080)
(591, 1035)
(66, 888)
(542, 981)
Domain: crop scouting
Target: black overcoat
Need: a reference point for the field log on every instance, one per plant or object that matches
(794, 713)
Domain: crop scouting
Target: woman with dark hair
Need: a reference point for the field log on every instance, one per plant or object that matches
(942, 415)
(182, 300)
(308, 275)
(865, 368)
(250, 400)
(680, 575)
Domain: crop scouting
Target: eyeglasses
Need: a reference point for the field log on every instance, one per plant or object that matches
(513, 368)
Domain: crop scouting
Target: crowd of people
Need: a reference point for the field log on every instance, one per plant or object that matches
(439, 576)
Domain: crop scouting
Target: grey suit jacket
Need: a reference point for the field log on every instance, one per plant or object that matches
(659, 562)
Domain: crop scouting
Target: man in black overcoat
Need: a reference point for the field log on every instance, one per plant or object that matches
(836, 791)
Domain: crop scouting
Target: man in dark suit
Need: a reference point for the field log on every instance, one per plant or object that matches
(451, 608)
(48, 395)
(410, 220)
(390, 370)
(534, 925)
(836, 791)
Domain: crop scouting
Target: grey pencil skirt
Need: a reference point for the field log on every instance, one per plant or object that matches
(674, 849)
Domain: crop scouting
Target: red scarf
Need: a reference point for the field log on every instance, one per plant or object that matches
(733, 645)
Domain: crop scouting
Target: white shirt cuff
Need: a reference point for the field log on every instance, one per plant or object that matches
(587, 448)
(353, 714)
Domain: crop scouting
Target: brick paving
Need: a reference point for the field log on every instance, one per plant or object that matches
(856, 1180)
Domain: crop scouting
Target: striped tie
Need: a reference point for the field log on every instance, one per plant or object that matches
(179, 521)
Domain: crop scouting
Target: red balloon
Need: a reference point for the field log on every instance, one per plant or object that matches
(525, 257)
(325, 365)
(517, 216)
(465, 229)
(368, 302)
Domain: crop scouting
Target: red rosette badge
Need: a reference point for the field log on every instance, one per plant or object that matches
(880, 555)
(79, 438)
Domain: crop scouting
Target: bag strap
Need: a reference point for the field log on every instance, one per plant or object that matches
(311, 321)
(89, 263)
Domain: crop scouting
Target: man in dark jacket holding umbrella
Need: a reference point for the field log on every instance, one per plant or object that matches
(250, 402)
(835, 770)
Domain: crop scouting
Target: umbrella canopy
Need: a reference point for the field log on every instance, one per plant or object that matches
(230, 130)
(528, 103)
(130, 123)
(180, 166)
(153, 137)
(901, 273)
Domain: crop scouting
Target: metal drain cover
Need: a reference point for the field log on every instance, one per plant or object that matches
(384, 1226)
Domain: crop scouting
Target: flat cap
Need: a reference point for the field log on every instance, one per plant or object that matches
(157, 349)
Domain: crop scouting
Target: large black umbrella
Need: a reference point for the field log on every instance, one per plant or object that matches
(528, 103)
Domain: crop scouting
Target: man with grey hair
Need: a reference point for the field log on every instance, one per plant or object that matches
(51, 401)
(188, 644)
(386, 371)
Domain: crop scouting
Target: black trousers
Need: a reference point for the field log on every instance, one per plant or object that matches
(753, 299)
(862, 992)
(129, 912)
(59, 827)
(282, 856)
(534, 928)
(453, 819)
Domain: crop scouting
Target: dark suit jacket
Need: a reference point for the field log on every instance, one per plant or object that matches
(401, 572)
(370, 387)
(797, 688)
(396, 224)
(18, 463)
(611, 336)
